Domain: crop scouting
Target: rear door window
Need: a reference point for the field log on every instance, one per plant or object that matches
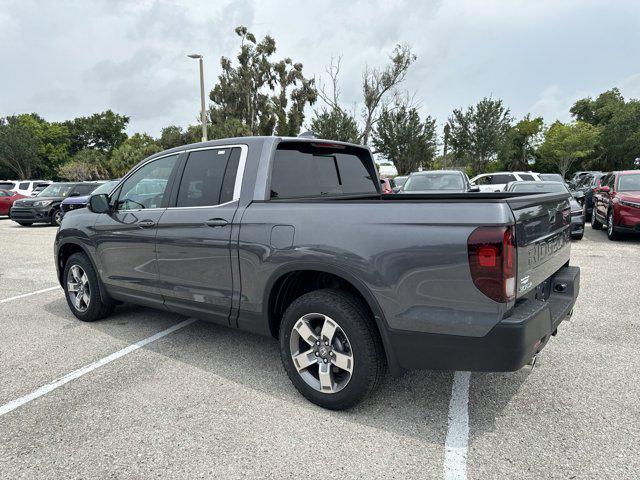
(209, 177)
(24, 186)
(501, 178)
(484, 180)
(305, 170)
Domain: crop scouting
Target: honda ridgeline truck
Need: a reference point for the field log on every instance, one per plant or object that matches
(291, 238)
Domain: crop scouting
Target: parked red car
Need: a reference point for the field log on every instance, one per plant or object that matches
(616, 203)
(7, 198)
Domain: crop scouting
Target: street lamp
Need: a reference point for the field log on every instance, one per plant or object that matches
(203, 118)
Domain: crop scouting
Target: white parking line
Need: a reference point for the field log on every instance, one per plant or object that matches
(8, 407)
(457, 442)
(44, 290)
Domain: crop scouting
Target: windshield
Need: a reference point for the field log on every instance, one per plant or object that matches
(629, 183)
(105, 187)
(539, 188)
(434, 181)
(400, 181)
(56, 190)
(551, 177)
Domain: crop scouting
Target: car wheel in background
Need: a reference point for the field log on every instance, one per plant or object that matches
(56, 217)
(577, 237)
(611, 229)
(331, 349)
(82, 290)
(595, 224)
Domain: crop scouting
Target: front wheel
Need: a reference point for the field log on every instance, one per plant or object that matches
(331, 349)
(56, 217)
(611, 229)
(83, 291)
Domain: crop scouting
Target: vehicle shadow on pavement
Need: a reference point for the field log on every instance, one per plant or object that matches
(414, 405)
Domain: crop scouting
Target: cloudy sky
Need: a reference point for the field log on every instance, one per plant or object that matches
(68, 58)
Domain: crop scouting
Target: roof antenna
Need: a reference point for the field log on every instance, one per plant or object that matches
(307, 134)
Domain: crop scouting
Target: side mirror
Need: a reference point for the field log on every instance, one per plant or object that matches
(474, 188)
(605, 189)
(99, 203)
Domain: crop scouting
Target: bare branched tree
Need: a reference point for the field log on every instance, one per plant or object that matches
(378, 84)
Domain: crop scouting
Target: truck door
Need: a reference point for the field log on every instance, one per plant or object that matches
(194, 235)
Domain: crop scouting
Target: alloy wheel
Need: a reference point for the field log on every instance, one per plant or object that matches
(78, 288)
(321, 353)
(57, 217)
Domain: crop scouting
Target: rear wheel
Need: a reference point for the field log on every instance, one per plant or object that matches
(331, 349)
(82, 290)
(595, 224)
(611, 229)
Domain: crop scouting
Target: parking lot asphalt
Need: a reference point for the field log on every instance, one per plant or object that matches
(210, 402)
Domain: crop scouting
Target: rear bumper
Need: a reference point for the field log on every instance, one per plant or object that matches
(577, 224)
(509, 346)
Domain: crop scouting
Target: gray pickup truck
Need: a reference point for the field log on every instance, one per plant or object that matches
(291, 238)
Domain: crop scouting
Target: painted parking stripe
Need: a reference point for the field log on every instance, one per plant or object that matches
(8, 407)
(44, 290)
(457, 442)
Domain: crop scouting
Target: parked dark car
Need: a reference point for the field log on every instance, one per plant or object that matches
(75, 202)
(45, 208)
(577, 212)
(616, 203)
(292, 238)
(587, 186)
(438, 181)
(577, 177)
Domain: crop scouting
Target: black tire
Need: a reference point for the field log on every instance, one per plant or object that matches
(612, 234)
(56, 217)
(353, 318)
(595, 223)
(577, 237)
(25, 224)
(97, 307)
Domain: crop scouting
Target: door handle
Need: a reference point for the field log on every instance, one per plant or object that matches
(216, 222)
(146, 223)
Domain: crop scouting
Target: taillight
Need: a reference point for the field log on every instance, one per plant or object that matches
(492, 260)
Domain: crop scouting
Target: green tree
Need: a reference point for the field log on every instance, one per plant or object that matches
(133, 150)
(53, 143)
(620, 138)
(19, 147)
(566, 143)
(264, 96)
(172, 136)
(476, 134)
(101, 131)
(599, 111)
(87, 164)
(402, 138)
(335, 124)
(520, 143)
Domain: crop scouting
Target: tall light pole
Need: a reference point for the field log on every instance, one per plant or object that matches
(203, 117)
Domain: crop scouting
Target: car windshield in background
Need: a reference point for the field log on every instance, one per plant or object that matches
(6, 185)
(433, 181)
(56, 190)
(537, 188)
(105, 187)
(551, 177)
(629, 183)
(400, 181)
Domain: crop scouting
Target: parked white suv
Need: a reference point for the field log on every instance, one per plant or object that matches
(25, 187)
(495, 182)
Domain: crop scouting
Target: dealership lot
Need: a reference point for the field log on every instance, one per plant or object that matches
(207, 401)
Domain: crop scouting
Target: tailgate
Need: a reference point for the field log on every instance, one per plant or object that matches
(543, 237)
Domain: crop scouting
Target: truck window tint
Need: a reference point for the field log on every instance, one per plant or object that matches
(205, 174)
(302, 170)
(499, 179)
(85, 189)
(24, 186)
(526, 177)
(147, 187)
(485, 180)
(230, 174)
